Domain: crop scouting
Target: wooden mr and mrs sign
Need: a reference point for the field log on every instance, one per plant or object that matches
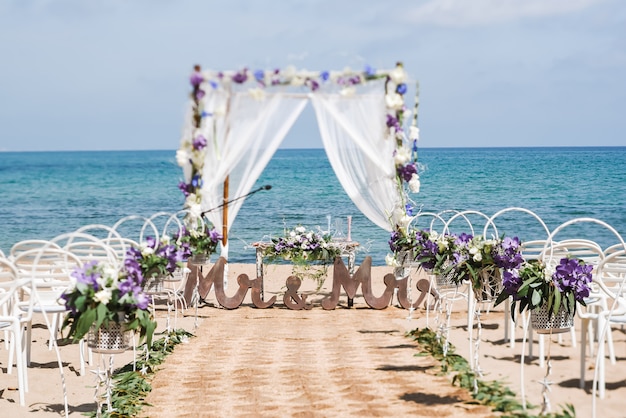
(294, 300)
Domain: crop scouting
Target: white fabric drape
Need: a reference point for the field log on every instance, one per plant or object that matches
(354, 134)
(242, 136)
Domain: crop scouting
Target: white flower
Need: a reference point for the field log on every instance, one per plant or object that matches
(398, 75)
(195, 210)
(391, 261)
(405, 220)
(478, 257)
(165, 240)
(146, 250)
(103, 296)
(300, 229)
(292, 234)
(414, 133)
(403, 156)
(289, 72)
(394, 101)
(414, 183)
(182, 157)
(257, 94)
(297, 81)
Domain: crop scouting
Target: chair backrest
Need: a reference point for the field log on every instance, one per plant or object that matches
(50, 270)
(88, 248)
(611, 271)
(532, 250)
(11, 287)
(588, 251)
(29, 244)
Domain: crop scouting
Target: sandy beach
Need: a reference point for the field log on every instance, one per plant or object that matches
(350, 361)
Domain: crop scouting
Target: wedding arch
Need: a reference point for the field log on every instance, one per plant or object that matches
(236, 120)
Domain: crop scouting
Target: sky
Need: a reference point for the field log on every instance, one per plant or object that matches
(113, 74)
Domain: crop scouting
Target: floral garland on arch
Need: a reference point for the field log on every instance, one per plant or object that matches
(191, 154)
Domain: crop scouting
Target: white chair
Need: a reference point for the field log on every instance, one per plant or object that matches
(29, 244)
(13, 321)
(608, 289)
(49, 268)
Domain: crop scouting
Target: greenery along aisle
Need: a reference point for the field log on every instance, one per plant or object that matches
(493, 394)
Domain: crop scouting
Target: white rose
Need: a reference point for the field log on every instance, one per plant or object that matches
(145, 250)
(292, 234)
(394, 101)
(297, 81)
(300, 229)
(195, 210)
(182, 157)
(478, 257)
(405, 220)
(414, 133)
(414, 183)
(398, 75)
(403, 156)
(391, 261)
(103, 296)
(257, 94)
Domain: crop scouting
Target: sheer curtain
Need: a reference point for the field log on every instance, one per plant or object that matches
(354, 134)
(245, 131)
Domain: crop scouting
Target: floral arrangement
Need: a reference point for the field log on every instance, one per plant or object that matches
(202, 240)
(156, 258)
(302, 247)
(101, 294)
(532, 285)
(192, 151)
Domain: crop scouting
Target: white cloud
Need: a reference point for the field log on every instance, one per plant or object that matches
(480, 12)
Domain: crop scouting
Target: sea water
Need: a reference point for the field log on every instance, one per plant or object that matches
(45, 194)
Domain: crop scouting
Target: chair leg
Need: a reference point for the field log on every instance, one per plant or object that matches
(583, 348)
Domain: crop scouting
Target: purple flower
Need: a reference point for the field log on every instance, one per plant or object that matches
(573, 275)
(392, 122)
(196, 78)
(407, 171)
(324, 75)
(142, 299)
(214, 235)
(259, 75)
(369, 71)
(409, 209)
(199, 94)
(511, 282)
(240, 77)
(199, 142)
(183, 188)
(314, 85)
(401, 89)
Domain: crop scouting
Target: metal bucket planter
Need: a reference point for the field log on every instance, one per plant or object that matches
(110, 339)
(561, 321)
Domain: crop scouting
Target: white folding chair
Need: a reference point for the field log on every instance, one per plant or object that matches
(13, 321)
(49, 268)
(608, 281)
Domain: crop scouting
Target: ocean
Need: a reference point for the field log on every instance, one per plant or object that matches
(45, 194)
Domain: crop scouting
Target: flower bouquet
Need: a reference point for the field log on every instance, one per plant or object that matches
(533, 287)
(303, 247)
(155, 259)
(103, 296)
(200, 242)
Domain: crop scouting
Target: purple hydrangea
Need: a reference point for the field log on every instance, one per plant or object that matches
(199, 142)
